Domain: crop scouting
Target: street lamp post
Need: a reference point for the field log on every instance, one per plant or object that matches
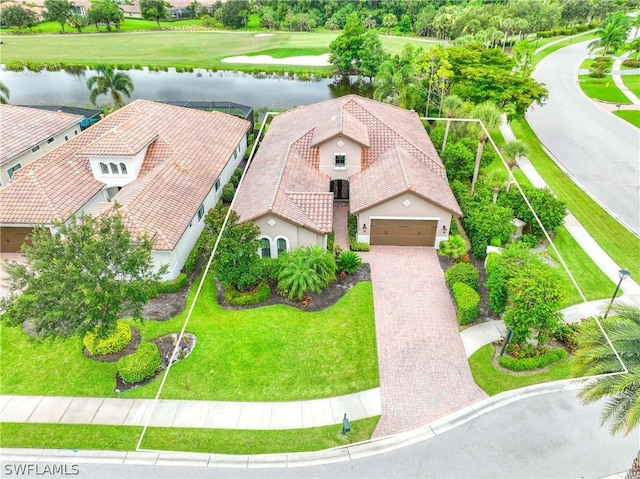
(623, 273)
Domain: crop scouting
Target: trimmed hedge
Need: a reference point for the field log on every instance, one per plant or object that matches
(228, 192)
(174, 285)
(467, 302)
(536, 362)
(140, 365)
(463, 273)
(238, 298)
(114, 343)
(359, 246)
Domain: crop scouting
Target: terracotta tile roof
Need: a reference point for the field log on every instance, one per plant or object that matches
(179, 169)
(396, 172)
(287, 160)
(22, 128)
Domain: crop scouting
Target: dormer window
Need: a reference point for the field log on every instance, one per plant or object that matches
(103, 169)
(114, 168)
(340, 161)
(123, 168)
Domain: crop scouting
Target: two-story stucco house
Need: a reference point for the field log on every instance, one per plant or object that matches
(376, 156)
(29, 133)
(164, 165)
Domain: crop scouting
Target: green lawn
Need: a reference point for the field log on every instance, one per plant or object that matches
(632, 116)
(275, 353)
(632, 82)
(568, 41)
(203, 49)
(620, 244)
(603, 89)
(219, 441)
(494, 381)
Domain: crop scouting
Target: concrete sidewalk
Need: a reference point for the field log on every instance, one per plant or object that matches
(190, 414)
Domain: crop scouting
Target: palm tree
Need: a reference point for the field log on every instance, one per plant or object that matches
(396, 83)
(612, 32)
(489, 115)
(452, 106)
(106, 82)
(496, 179)
(4, 94)
(595, 357)
(513, 150)
(455, 247)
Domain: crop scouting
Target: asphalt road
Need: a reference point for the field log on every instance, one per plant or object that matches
(600, 150)
(545, 436)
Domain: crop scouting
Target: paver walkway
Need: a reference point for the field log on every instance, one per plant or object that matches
(340, 224)
(424, 373)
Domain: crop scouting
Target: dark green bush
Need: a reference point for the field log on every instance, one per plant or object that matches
(527, 364)
(467, 302)
(228, 192)
(463, 273)
(113, 343)
(349, 262)
(239, 298)
(174, 285)
(195, 254)
(495, 241)
(235, 179)
(331, 237)
(528, 239)
(140, 365)
(359, 246)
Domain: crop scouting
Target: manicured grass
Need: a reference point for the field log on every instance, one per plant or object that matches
(603, 89)
(632, 82)
(620, 244)
(275, 353)
(130, 24)
(219, 441)
(568, 41)
(203, 49)
(494, 381)
(632, 116)
(592, 281)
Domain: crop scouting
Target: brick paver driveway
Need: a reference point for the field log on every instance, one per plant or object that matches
(424, 373)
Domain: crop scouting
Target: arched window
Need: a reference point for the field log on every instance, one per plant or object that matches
(123, 168)
(103, 169)
(282, 245)
(265, 248)
(114, 168)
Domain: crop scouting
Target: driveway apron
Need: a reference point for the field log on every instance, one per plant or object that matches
(424, 373)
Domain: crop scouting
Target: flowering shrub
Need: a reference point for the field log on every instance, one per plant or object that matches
(526, 351)
(567, 334)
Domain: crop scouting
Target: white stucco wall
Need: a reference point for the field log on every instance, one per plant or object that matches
(396, 208)
(350, 148)
(132, 163)
(44, 147)
(274, 227)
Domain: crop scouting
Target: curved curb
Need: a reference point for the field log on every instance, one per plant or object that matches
(297, 459)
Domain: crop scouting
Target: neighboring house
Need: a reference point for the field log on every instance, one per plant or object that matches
(29, 133)
(165, 165)
(376, 156)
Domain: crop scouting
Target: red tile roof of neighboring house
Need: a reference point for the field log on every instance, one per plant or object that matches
(286, 164)
(22, 128)
(190, 150)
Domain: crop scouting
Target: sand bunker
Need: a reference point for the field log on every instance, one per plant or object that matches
(309, 60)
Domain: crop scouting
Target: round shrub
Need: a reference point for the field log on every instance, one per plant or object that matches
(467, 303)
(140, 365)
(528, 239)
(463, 273)
(349, 262)
(241, 298)
(113, 343)
(228, 192)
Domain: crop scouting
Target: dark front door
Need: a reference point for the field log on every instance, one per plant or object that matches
(340, 189)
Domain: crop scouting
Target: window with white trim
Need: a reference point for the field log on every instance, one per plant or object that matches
(13, 169)
(123, 168)
(265, 248)
(50, 140)
(339, 160)
(35, 148)
(201, 212)
(114, 168)
(103, 168)
(282, 245)
(217, 184)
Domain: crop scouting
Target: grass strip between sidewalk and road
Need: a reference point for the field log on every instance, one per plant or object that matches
(218, 441)
(493, 381)
(616, 240)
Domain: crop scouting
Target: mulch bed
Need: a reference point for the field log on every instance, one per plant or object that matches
(112, 358)
(328, 297)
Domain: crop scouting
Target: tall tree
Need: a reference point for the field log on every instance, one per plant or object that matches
(452, 106)
(109, 82)
(231, 15)
(81, 277)
(345, 49)
(78, 22)
(595, 357)
(4, 94)
(489, 115)
(396, 82)
(155, 10)
(16, 15)
(612, 33)
(389, 21)
(58, 11)
(371, 54)
(107, 12)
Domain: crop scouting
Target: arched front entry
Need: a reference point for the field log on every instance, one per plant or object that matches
(340, 189)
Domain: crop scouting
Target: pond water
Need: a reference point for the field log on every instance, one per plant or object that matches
(68, 87)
